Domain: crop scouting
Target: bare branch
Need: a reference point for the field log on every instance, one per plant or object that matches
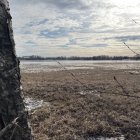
(73, 76)
(135, 22)
(9, 126)
(14, 130)
(131, 49)
(123, 89)
(125, 95)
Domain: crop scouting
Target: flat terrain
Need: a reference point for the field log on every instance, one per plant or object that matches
(88, 104)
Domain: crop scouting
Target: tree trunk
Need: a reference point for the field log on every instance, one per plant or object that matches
(13, 117)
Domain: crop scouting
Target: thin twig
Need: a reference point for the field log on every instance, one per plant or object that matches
(125, 95)
(73, 76)
(121, 86)
(13, 132)
(123, 89)
(131, 49)
(135, 22)
(9, 126)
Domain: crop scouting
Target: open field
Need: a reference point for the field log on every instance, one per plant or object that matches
(80, 111)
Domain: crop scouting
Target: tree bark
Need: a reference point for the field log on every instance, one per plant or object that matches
(13, 117)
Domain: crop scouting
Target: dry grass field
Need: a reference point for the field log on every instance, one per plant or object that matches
(78, 112)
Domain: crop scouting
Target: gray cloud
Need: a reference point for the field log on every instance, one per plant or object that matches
(72, 24)
(35, 23)
(124, 38)
(69, 4)
(97, 45)
(54, 34)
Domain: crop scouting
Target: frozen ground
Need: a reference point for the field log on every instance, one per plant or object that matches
(47, 66)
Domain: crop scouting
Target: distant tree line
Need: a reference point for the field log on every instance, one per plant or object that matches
(102, 57)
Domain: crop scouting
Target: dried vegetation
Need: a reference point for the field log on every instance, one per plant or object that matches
(76, 113)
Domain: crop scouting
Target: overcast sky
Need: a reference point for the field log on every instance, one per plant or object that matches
(75, 27)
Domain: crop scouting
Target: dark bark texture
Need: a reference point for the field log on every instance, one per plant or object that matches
(11, 102)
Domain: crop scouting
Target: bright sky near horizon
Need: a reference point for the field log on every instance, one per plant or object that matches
(76, 27)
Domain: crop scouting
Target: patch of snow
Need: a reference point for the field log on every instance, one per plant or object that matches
(93, 92)
(134, 72)
(32, 104)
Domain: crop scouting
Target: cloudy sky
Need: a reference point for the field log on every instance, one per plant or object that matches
(76, 27)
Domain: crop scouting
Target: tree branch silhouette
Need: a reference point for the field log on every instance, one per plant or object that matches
(131, 49)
